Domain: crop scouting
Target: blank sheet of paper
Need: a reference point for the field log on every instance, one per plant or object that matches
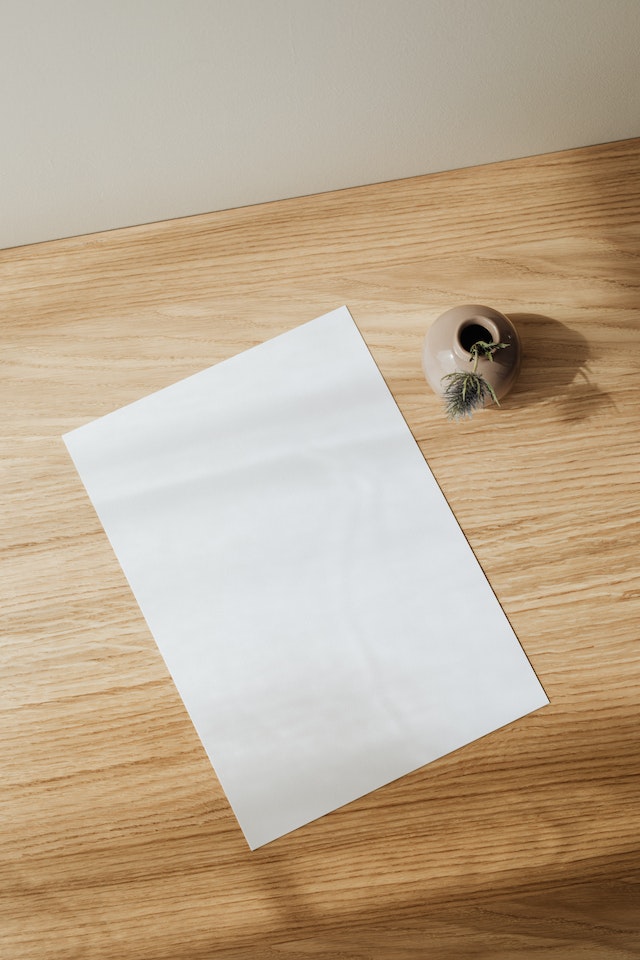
(316, 603)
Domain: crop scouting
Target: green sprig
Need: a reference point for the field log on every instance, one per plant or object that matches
(466, 392)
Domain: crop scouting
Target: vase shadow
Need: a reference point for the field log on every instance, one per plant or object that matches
(555, 367)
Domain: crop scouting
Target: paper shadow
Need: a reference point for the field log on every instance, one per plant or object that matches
(555, 368)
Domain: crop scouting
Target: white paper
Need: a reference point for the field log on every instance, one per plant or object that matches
(320, 611)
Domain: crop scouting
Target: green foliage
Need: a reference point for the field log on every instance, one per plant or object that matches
(466, 392)
(485, 350)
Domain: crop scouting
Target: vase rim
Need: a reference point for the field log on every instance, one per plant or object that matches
(487, 323)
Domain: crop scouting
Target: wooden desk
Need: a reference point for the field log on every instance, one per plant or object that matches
(117, 841)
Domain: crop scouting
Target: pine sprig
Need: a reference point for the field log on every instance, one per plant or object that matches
(466, 392)
(486, 350)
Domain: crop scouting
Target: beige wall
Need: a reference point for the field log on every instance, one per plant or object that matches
(117, 112)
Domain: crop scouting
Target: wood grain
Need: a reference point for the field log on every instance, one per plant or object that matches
(117, 840)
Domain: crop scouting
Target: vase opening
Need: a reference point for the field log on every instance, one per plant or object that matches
(473, 333)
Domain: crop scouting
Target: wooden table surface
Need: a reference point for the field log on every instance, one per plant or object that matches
(117, 841)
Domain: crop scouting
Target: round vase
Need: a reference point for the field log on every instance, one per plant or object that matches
(450, 338)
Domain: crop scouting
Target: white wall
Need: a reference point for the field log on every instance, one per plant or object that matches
(117, 112)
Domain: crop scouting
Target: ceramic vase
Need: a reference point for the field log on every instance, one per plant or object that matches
(450, 338)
